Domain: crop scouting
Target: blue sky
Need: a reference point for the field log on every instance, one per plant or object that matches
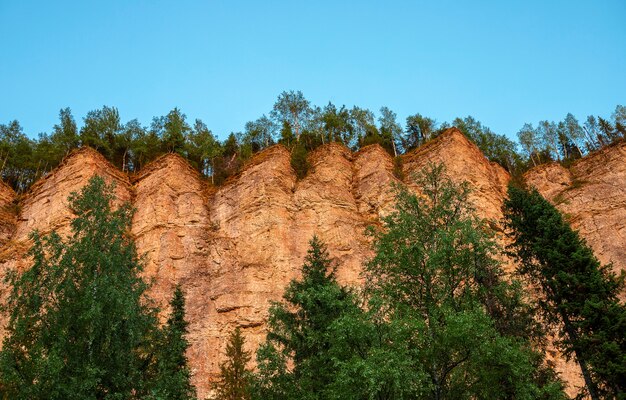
(503, 62)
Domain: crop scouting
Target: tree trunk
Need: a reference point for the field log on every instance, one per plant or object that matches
(573, 337)
(124, 160)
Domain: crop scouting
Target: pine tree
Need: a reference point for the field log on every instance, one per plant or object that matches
(78, 326)
(173, 375)
(435, 273)
(235, 378)
(578, 293)
(299, 332)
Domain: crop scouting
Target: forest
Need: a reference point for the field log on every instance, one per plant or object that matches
(295, 123)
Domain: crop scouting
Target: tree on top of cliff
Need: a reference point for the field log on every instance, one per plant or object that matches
(173, 130)
(435, 273)
(419, 130)
(172, 374)
(79, 327)
(235, 378)
(294, 108)
(580, 295)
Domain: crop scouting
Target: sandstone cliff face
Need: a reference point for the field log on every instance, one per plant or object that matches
(464, 162)
(45, 208)
(592, 196)
(234, 248)
(7, 213)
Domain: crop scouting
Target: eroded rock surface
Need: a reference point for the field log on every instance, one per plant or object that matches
(45, 207)
(592, 196)
(464, 161)
(7, 213)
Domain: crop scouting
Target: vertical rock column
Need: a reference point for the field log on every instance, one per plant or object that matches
(172, 232)
(326, 206)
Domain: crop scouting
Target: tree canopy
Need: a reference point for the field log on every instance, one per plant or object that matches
(293, 122)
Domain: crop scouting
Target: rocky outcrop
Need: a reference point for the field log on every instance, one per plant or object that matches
(233, 249)
(45, 208)
(591, 194)
(464, 161)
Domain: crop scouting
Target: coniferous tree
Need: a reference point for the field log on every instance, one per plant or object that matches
(79, 327)
(419, 129)
(235, 377)
(299, 333)
(173, 375)
(579, 295)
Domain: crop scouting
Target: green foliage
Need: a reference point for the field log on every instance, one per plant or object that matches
(299, 161)
(203, 149)
(65, 134)
(495, 147)
(440, 320)
(292, 107)
(101, 131)
(579, 295)
(398, 170)
(292, 121)
(297, 361)
(235, 378)
(79, 326)
(260, 133)
(16, 157)
(172, 374)
(172, 129)
(435, 274)
(419, 129)
(337, 125)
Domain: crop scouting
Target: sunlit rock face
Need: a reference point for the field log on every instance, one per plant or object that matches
(592, 196)
(8, 213)
(45, 207)
(234, 248)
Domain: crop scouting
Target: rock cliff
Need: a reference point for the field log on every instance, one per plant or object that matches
(591, 193)
(7, 213)
(234, 248)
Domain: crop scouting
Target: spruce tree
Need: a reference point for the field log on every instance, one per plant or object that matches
(435, 273)
(577, 293)
(79, 327)
(295, 362)
(173, 375)
(235, 378)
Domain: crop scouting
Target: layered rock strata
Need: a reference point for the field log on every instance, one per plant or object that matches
(8, 213)
(591, 194)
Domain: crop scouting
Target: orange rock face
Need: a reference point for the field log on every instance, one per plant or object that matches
(7, 213)
(234, 248)
(592, 196)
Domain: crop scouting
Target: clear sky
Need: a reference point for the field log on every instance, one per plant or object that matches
(225, 62)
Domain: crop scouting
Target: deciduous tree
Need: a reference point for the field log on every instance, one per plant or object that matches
(79, 327)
